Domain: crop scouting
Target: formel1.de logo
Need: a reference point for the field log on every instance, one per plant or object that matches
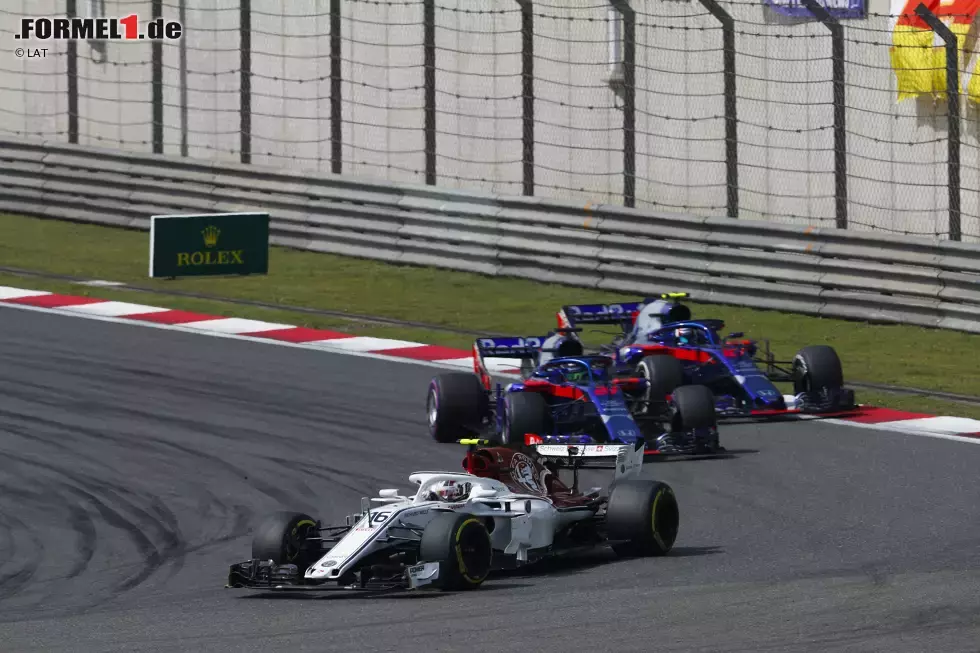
(126, 28)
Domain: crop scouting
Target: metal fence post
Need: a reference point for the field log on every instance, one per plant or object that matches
(156, 65)
(72, 11)
(840, 107)
(629, 101)
(731, 102)
(527, 92)
(429, 46)
(336, 104)
(245, 78)
(182, 64)
(953, 115)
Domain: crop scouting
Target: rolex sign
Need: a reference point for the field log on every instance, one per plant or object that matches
(215, 244)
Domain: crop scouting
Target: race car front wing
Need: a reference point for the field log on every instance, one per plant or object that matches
(267, 575)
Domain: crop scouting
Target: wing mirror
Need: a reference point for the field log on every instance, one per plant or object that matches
(480, 492)
(736, 334)
(388, 493)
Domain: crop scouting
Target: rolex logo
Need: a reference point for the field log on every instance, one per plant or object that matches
(211, 234)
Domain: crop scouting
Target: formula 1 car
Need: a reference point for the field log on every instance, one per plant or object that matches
(661, 343)
(564, 394)
(508, 509)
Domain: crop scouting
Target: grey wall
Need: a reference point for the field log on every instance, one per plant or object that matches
(897, 151)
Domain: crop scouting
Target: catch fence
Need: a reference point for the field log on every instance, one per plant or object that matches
(705, 107)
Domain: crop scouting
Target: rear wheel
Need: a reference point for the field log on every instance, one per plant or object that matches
(455, 406)
(461, 545)
(817, 368)
(642, 518)
(284, 538)
(524, 412)
(692, 407)
(663, 374)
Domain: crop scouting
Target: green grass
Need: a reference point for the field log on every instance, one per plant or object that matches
(899, 355)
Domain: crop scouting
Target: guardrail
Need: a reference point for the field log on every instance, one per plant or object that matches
(815, 271)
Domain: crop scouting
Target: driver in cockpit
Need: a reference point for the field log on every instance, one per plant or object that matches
(450, 491)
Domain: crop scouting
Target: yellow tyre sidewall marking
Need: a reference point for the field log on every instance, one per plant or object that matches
(653, 519)
(459, 553)
(303, 522)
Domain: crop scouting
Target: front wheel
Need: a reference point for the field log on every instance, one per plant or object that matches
(817, 368)
(286, 538)
(642, 518)
(461, 545)
(692, 407)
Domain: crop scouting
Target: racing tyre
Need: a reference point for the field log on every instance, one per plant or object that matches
(815, 368)
(663, 374)
(455, 405)
(461, 545)
(692, 407)
(283, 538)
(524, 412)
(642, 518)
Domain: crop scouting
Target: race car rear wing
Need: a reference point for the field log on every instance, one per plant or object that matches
(510, 346)
(625, 458)
(526, 349)
(572, 315)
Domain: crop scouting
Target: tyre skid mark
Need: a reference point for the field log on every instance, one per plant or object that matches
(12, 582)
(152, 558)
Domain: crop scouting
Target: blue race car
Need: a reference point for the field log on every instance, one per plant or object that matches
(566, 397)
(661, 343)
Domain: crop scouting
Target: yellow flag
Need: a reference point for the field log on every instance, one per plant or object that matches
(920, 67)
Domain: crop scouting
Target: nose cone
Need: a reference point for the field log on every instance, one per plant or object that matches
(771, 403)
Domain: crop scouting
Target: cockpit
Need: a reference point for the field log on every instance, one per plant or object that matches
(591, 370)
(703, 333)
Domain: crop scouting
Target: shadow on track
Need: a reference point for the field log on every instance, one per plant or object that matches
(546, 568)
(727, 454)
(598, 558)
(340, 594)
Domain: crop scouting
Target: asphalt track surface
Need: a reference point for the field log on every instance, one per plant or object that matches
(135, 460)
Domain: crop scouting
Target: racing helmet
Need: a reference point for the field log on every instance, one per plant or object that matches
(684, 335)
(575, 373)
(450, 491)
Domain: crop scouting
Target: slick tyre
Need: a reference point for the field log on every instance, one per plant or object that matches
(815, 368)
(692, 407)
(461, 545)
(283, 538)
(663, 375)
(455, 406)
(642, 518)
(524, 412)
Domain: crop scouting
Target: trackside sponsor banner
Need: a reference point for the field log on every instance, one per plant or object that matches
(210, 244)
(836, 8)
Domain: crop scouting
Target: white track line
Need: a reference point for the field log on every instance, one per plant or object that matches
(234, 325)
(898, 427)
(7, 293)
(115, 309)
(365, 343)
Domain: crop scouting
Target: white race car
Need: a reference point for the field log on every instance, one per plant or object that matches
(506, 510)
